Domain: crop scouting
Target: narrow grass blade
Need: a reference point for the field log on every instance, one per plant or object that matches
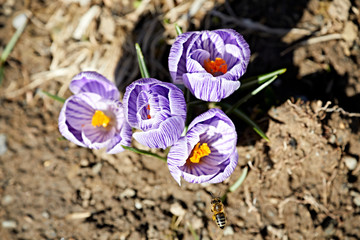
(240, 180)
(246, 119)
(136, 150)
(193, 233)
(9, 47)
(55, 97)
(142, 65)
(263, 77)
(178, 29)
(248, 96)
(237, 184)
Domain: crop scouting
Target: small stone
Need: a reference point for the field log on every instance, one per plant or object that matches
(84, 162)
(350, 162)
(128, 193)
(45, 214)
(9, 224)
(228, 231)
(357, 200)
(97, 168)
(3, 147)
(177, 210)
(138, 205)
(7, 199)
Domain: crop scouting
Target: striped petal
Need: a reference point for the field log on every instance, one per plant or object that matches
(95, 83)
(216, 130)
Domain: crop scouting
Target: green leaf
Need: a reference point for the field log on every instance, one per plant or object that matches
(142, 65)
(55, 97)
(240, 180)
(136, 150)
(248, 96)
(178, 29)
(246, 119)
(263, 77)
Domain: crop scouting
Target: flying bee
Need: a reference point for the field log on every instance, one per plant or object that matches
(218, 209)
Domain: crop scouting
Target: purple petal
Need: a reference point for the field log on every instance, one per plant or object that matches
(229, 169)
(211, 42)
(176, 173)
(97, 137)
(177, 56)
(166, 135)
(199, 174)
(217, 130)
(66, 130)
(119, 140)
(80, 109)
(206, 87)
(130, 99)
(95, 83)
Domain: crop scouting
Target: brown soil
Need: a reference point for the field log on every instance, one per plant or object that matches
(300, 185)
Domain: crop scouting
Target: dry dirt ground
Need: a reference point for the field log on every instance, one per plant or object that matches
(302, 184)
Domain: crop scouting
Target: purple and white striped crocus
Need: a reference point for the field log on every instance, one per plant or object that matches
(209, 63)
(158, 109)
(207, 153)
(94, 117)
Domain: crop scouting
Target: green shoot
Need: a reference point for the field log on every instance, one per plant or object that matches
(142, 65)
(178, 29)
(55, 97)
(237, 184)
(246, 119)
(248, 96)
(136, 150)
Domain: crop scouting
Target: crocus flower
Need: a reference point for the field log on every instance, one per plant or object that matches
(209, 63)
(158, 109)
(94, 117)
(207, 153)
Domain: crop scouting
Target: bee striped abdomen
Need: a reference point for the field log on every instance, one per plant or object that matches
(220, 220)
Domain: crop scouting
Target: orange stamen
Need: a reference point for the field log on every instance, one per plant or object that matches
(199, 152)
(217, 66)
(148, 116)
(100, 119)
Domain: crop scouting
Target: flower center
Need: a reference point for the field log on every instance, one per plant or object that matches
(215, 67)
(148, 108)
(199, 152)
(100, 119)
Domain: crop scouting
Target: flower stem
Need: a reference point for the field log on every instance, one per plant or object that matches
(237, 184)
(136, 150)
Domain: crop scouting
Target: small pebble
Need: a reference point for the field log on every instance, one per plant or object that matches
(97, 168)
(45, 214)
(3, 147)
(128, 193)
(228, 231)
(7, 199)
(138, 205)
(350, 162)
(9, 224)
(177, 210)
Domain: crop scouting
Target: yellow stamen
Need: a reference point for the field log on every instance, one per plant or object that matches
(100, 119)
(217, 66)
(199, 152)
